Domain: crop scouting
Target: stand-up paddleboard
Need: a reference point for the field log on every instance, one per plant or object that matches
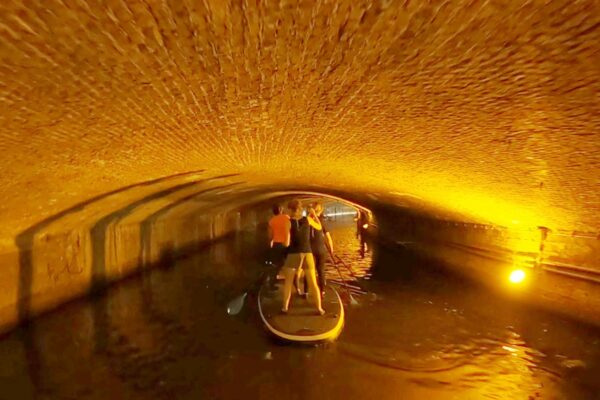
(301, 323)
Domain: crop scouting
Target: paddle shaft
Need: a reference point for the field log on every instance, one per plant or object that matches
(340, 274)
(232, 306)
(349, 270)
(347, 267)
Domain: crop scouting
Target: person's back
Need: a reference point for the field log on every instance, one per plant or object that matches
(300, 236)
(279, 225)
(279, 235)
(317, 240)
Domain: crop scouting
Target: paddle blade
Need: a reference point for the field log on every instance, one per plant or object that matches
(235, 306)
(348, 298)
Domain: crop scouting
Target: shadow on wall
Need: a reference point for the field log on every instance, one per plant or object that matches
(169, 251)
(26, 240)
(99, 230)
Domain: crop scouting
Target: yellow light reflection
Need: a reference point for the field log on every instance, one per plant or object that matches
(481, 202)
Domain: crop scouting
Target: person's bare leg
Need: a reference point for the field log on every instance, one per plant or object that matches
(287, 287)
(298, 278)
(314, 289)
(312, 282)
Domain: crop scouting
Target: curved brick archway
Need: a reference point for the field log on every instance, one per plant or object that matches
(487, 108)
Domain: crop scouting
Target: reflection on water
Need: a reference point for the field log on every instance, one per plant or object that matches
(424, 334)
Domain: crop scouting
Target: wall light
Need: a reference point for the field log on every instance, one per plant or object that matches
(517, 276)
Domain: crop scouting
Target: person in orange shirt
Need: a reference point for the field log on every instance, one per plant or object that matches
(279, 236)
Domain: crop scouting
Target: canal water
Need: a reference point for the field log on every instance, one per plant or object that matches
(417, 333)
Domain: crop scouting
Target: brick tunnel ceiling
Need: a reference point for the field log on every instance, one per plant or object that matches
(486, 108)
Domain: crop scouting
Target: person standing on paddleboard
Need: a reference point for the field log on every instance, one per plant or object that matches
(279, 240)
(300, 256)
(320, 241)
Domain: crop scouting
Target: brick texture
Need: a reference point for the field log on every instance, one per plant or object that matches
(489, 109)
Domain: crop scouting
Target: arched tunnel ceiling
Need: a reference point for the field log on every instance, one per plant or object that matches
(486, 108)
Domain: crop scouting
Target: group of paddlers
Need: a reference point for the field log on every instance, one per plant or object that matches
(300, 244)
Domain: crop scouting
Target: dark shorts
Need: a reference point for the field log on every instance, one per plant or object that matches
(320, 258)
(277, 254)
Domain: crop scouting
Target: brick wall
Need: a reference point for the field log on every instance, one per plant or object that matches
(563, 268)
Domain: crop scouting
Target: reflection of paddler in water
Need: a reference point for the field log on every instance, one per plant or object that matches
(300, 255)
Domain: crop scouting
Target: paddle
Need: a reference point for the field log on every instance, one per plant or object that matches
(352, 299)
(353, 275)
(347, 267)
(235, 306)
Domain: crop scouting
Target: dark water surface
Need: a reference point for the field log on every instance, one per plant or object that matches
(417, 334)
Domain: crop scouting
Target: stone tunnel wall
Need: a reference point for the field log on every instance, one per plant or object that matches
(56, 264)
(563, 270)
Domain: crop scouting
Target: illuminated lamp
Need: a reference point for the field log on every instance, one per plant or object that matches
(517, 276)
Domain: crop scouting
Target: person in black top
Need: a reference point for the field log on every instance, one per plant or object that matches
(300, 255)
(320, 242)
